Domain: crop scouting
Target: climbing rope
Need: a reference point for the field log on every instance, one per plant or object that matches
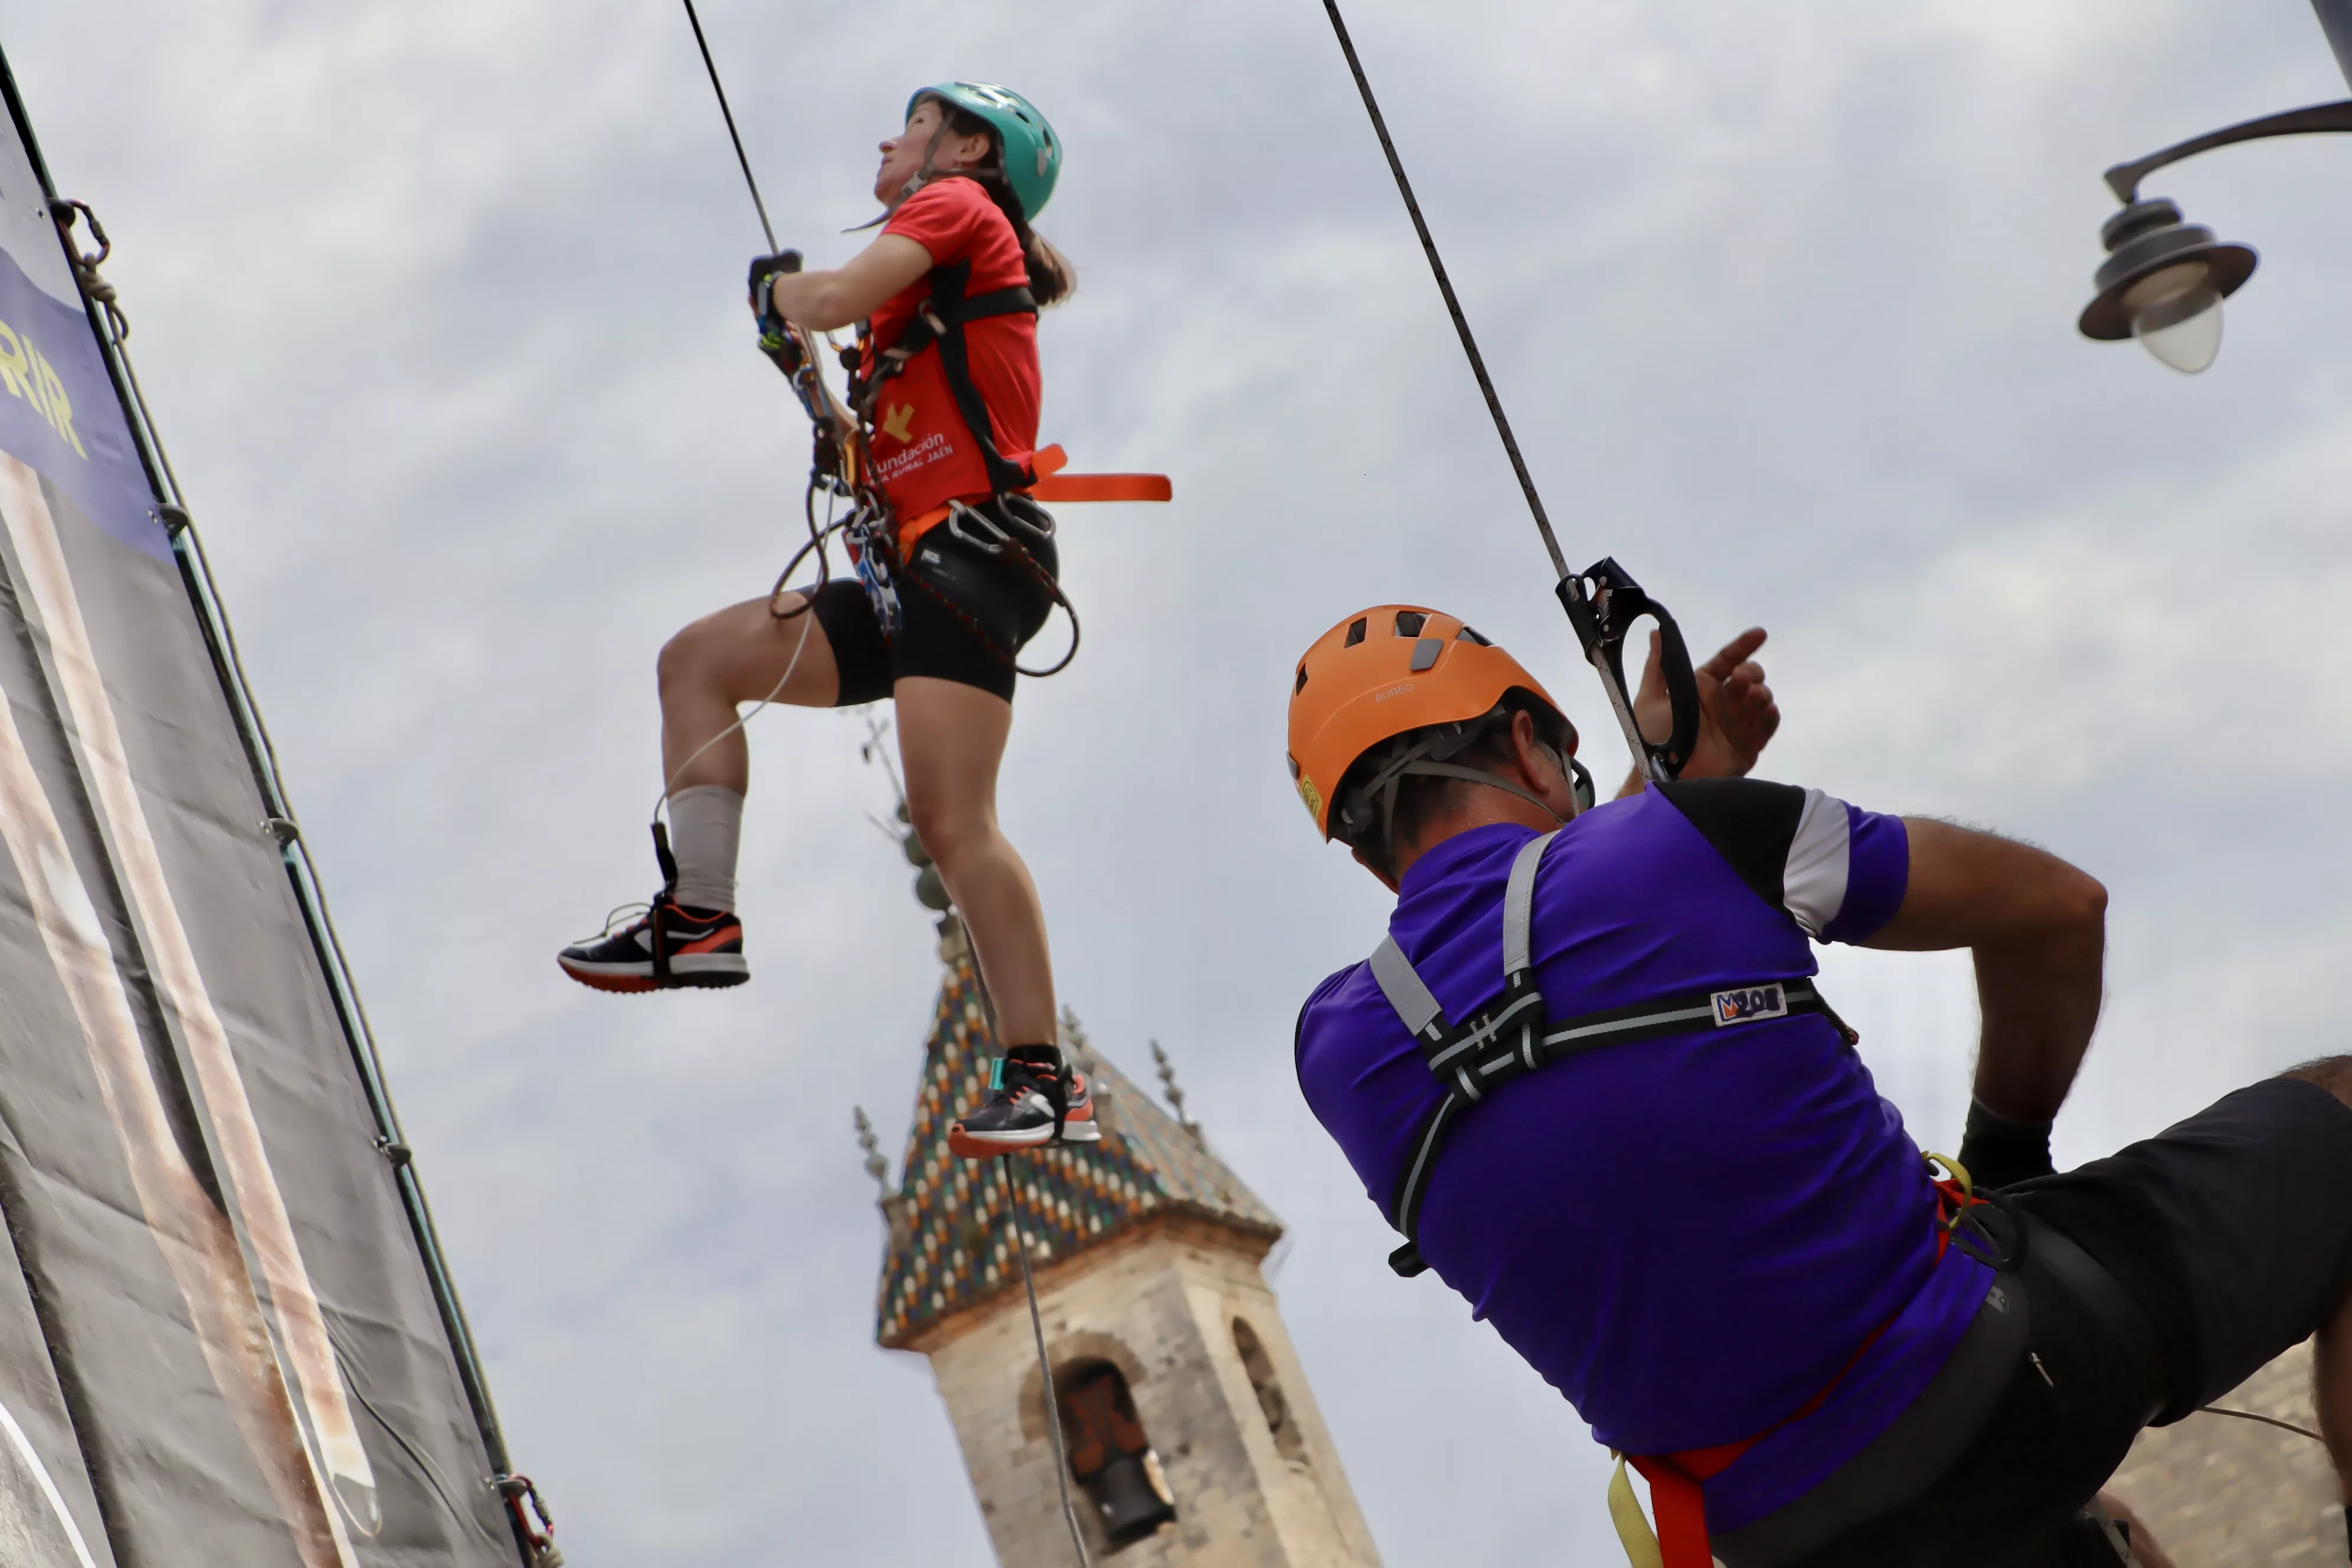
(1603, 601)
(1045, 1366)
(700, 42)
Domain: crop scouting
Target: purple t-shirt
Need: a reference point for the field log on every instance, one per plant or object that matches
(1688, 1236)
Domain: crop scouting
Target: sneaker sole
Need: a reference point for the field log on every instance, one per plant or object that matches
(706, 971)
(988, 1145)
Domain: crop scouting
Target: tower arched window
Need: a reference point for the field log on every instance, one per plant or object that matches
(1110, 1454)
(1287, 1440)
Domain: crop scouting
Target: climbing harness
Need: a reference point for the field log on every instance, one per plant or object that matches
(1602, 602)
(1515, 1037)
(1047, 1391)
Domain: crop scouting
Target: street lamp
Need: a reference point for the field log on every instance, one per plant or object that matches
(2164, 279)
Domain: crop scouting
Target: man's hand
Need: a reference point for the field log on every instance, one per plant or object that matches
(1738, 714)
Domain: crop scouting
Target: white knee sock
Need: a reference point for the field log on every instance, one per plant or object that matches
(706, 826)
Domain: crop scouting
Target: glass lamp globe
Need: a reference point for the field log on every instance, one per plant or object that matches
(2176, 314)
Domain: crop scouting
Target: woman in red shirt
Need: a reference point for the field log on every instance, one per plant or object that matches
(976, 561)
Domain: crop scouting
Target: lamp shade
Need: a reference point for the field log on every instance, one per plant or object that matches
(2144, 239)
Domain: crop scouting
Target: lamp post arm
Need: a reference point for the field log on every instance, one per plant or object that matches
(2124, 178)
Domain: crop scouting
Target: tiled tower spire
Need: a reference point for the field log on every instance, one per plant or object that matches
(952, 1250)
(1192, 1437)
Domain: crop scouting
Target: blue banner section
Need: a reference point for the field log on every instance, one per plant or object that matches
(59, 412)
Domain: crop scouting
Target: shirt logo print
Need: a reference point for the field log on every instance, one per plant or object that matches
(1749, 1003)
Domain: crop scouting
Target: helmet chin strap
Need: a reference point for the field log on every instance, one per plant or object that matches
(1378, 793)
(1481, 776)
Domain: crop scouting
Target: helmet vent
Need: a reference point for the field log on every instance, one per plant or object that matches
(1355, 631)
(1410, 622)
(1467, 634)
(1300, 685)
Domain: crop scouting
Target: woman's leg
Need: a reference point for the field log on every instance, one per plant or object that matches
(951, 741)
(741, 654)
(732, 657)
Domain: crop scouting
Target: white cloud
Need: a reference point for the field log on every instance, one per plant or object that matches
(439, 304)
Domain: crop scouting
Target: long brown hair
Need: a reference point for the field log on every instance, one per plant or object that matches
(1051, 276)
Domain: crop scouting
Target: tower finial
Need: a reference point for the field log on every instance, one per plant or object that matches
(1176, 1095)
(876, 1166)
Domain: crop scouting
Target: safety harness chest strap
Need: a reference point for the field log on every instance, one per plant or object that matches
(1515, 1037)
(940, 322)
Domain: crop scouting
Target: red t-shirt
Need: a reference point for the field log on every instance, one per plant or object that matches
(922, 456)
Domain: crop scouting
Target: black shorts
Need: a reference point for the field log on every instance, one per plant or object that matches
(963, 614)
(2220, 1243)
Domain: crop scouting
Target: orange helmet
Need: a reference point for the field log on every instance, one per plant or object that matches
(1388, 670)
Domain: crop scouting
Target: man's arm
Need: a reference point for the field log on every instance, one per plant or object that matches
(1736, 712)
(2037, 927)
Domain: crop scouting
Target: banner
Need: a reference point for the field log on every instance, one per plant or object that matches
(220, 1341)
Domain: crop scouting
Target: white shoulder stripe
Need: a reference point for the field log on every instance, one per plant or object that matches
(1813, 886)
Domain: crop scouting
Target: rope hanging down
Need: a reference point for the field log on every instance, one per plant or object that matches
(1051, 1395)
(1602, 602)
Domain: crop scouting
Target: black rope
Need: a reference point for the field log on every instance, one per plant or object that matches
(1045, 1364)
(1445, 286)
(700, 42)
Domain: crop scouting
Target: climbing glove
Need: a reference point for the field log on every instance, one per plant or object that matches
(774, 340)
(1999, 1150)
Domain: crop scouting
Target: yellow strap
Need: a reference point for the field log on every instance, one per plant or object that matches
(1633, 1532)
(1954, 1170)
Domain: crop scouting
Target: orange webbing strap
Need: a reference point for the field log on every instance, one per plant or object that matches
(1681, 1511)
(1052, 485)
(1104, 487)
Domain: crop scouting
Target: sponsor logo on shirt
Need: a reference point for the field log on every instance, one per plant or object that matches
(1749, 1002)
(922, 454)
(899, 423)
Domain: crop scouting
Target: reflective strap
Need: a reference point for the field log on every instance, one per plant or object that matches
(1570, 1036)
(1494, 1027)
(1404, 988)
(1520, 901)
(1407, 1218)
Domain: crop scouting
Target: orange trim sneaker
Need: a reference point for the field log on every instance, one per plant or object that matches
(670, 946)
(1035, 1102)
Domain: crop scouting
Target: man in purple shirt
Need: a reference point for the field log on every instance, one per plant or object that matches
(1589, 1078)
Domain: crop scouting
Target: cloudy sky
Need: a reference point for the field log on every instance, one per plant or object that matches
(439, 303)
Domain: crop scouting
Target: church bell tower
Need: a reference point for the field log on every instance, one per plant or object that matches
(1192, 1437)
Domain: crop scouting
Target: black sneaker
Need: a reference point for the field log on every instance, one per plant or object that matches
(698, 947)
(1020, 1113)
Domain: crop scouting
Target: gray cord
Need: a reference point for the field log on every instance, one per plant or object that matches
(2266, 1420)
(1045, 1364)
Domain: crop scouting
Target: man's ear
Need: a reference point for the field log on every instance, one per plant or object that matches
(1386, 881)
(1541, 769)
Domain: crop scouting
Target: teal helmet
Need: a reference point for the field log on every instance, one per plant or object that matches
(1033, 153)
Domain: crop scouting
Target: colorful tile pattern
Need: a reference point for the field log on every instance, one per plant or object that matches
(951, 1246)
